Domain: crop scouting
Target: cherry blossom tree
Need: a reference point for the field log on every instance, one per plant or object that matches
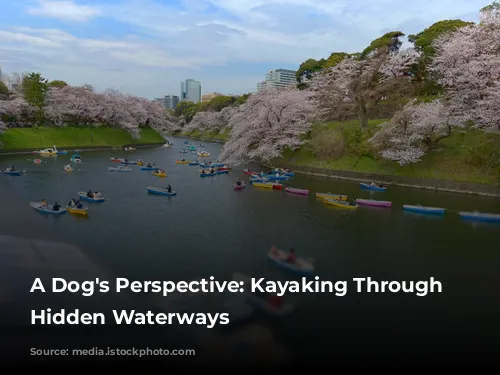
(15, 110)
(211, 120)
(467, 65)
(269, 122)
(347, 88)
(413, 131)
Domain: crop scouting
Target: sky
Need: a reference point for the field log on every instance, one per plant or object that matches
(147, 47)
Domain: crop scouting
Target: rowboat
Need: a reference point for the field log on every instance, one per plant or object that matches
(203, 154)
(119, 169)
(239, 187)
(207, 174)
(258, 301)
(371, 187)
(249, 172)
(148, 168)
(340, 204)
(283, 172)
(116, 160)
(166, 145)
(478, 216)
(276, 178)
(49, 209)
(192, 148)
(222, 172)
(373, 202)
(158, 191)
(37, 161)
(301, 266)
(129, 149)
(337, 197)
(140, 163)
(297, 191)
(68, 168)
(13, 173)
(77, 211)
(194, 162)
(134, 162)
(76, 158)
(424, 210)
(268, 185)
(83, 196)
(184, 151)
(182, 161)
(160, 174)
(211, 165)
(258, 179)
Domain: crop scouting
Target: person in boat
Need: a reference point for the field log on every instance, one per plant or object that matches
(67, 166)
(44, 203)
(169, 188)
(90, 194)
(183, 159)
(56, 206)
(97, 195)
(79, 204)
(212, 170)
(239, 183)
(125, 160)
(149, 165)
(291, 257)
(72, 203)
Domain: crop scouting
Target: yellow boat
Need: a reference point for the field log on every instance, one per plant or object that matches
(77, 211)
(140, 163)
(340, 204)
(162, 174)
(263, 185)
(68, 169)
(336, 197)
(182, 162)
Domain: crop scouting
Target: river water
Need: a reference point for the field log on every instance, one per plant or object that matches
(210, 230)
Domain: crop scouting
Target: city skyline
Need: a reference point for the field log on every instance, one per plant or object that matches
(227, 44)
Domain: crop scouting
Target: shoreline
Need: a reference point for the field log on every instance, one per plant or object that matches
(449, 186)
(81, 148)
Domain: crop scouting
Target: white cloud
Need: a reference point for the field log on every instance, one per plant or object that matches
(216, 41)
(63, 9)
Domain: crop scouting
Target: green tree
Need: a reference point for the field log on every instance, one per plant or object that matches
(220, 102)
(186, 109)
(389, 40)
(424, 39)
(3, 88)
(57, 83)
(241, 99)
(34, 89)
(308, 67)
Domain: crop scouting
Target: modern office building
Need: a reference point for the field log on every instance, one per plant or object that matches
(168, 101)
(210, 96)
(191, 90)
(278, 78)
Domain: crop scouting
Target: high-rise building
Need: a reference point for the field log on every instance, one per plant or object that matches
(171, 101)
(210, 96)
(278, 78)
(168, 101)
(191, 90)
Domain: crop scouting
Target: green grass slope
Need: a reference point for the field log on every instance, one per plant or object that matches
(42, 137)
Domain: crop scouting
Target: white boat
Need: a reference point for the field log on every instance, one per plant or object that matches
(68, 168)
(119, 169)
(50, 151)
(129, 149)
(203, 154)
(261, 302)
(166, 145)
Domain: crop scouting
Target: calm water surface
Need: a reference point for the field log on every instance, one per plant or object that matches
(210, 230)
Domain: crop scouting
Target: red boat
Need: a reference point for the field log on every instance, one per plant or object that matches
(278, 186)
(249, 172)
(116, 160)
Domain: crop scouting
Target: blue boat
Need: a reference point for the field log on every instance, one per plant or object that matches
(83, 197)
(129, 162)
(207, 174)
(478, 216)
(221, 172)
(301, 267)
(424, 210)
(13, 173)
(258, 179)
(76, 158)
(194, 162)
(49, 210)
(218, 165)
(371, 187)
(288, 174)
(186, 142)
(276, 178)
(148, 168)
(158, 191)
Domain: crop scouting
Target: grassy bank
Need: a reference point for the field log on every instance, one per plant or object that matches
(42, 137)
(457, 158)
(206, 135)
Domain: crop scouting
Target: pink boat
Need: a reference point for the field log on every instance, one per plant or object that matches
(372, 202)
(238, 187)
(297, 191)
